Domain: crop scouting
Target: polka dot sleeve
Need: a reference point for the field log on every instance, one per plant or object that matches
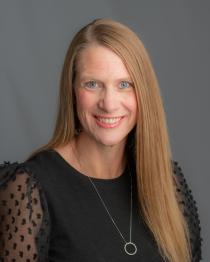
(189, 208)
(24, 220)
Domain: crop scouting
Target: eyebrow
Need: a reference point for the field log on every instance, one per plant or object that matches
(126, 78)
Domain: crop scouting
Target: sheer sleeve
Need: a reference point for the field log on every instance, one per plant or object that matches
(190, 210)
(24, 220)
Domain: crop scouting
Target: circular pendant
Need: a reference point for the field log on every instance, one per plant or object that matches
(130, 248)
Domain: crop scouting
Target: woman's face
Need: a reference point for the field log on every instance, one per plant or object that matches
(105, 96)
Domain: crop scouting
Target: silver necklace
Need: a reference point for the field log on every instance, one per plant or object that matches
(129, 243)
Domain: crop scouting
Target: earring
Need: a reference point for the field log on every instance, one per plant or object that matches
(78, 130)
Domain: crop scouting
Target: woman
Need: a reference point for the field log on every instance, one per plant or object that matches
(105, 187)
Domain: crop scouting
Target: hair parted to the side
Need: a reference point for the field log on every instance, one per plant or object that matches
(151, 148)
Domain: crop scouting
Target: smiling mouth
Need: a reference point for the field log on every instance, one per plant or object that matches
(109, 120)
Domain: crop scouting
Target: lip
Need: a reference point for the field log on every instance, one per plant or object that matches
(108, 125)
(101, 116)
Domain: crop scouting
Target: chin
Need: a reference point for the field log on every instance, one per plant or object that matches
(111, 142)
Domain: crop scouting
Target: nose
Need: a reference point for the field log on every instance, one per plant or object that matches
(109, 100)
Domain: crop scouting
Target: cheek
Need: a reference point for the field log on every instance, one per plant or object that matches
(131, 104)
(84, 102)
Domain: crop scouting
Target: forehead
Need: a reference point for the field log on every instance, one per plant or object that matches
(101, 61)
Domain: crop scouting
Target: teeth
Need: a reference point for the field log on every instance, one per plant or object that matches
(109, 120)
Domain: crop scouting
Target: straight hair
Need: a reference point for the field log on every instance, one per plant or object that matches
(147, 145)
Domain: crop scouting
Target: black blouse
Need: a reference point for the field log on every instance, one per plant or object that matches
(51, 212)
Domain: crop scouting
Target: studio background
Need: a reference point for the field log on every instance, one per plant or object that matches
(34, 37)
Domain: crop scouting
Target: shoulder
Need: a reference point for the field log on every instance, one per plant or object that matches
(13, 171)
(38, 173)
(24, 180)
(19, 180)
(189, 208)
(47, 171)
(21, 174)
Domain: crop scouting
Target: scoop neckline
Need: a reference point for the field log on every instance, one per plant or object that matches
(60, 158)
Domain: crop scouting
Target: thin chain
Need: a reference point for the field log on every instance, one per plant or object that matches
(131, 208)
(109, 212)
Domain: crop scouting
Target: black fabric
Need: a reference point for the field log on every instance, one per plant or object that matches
(51, 212)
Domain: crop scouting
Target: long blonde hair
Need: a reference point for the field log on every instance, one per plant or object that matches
(151, 150)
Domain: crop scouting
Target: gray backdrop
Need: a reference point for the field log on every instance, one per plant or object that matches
(34, 36)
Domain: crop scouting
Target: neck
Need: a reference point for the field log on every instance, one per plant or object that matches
(103, 161)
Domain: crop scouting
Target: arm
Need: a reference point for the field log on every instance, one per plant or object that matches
(21, 214)
(190, 210)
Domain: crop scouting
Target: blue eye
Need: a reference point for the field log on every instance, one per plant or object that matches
(91, 84)
(125, 84)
